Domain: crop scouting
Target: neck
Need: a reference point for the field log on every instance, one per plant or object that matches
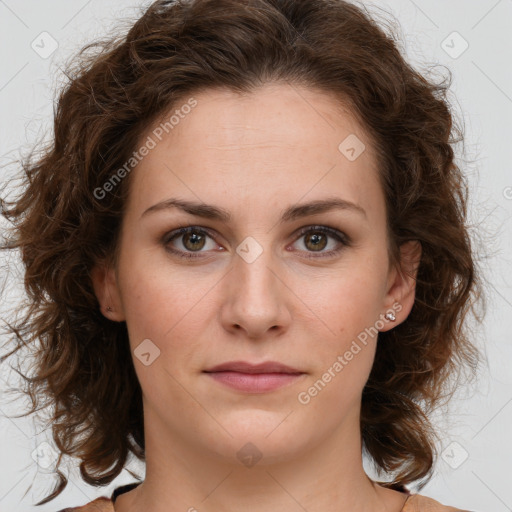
(325, 476)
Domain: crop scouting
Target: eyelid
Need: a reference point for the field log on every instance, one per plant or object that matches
(341, 237)
(325, 228)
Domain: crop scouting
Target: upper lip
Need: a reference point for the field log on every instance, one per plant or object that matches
(245, 367)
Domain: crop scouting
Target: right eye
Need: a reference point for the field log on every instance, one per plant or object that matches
(191, 238)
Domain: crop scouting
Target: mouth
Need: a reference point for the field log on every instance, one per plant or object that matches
(254, 378)
(246, 367)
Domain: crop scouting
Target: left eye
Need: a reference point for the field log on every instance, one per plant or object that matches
(316, 237)
(193, 240)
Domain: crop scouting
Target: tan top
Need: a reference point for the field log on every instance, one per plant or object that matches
(414, 503)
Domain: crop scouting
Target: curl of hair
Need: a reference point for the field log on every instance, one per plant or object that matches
(121, 87)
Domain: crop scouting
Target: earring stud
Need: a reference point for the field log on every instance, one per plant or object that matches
(390, 316)
(109, 309)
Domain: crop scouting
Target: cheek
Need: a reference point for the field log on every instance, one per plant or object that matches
(344, 358)
(165, 317)
(158, 295)
(346, 309)
(348, 301)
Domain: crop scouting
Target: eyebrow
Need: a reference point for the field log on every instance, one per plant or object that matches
(293, 212)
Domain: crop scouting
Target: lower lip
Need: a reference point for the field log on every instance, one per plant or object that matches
(255, 382)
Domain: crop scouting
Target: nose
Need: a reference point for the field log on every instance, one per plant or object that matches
(256, 298)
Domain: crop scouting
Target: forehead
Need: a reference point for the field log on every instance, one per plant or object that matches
(280, 142)
(277, 115)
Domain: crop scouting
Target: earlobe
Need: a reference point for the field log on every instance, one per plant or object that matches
(106, 290)
(402, 288)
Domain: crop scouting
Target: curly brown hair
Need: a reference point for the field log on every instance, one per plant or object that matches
(117, 89)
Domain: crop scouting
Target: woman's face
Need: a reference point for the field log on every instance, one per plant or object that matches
(246, 284)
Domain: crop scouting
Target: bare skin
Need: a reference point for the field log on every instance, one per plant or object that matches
(254, 156)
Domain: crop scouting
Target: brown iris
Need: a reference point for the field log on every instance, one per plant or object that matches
(196, 240)
(318, 240)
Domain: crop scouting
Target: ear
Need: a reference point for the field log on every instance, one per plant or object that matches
(401, 285)
(106, 288)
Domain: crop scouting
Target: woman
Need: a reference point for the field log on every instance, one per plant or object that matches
(248, 262)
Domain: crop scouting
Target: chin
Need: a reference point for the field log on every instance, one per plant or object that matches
(261, 438)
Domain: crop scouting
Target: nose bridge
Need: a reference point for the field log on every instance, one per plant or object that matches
(257, 301)
(253, 270)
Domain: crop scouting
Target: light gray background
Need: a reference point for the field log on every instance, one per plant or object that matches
(474, 471)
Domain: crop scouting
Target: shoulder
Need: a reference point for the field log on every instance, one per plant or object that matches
(419, 503)
(98, 505)
(103, 504)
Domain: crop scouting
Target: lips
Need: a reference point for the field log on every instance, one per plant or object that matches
(246, 367)
(254, 378)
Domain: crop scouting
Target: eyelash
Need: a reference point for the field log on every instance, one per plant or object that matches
(341, 237)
